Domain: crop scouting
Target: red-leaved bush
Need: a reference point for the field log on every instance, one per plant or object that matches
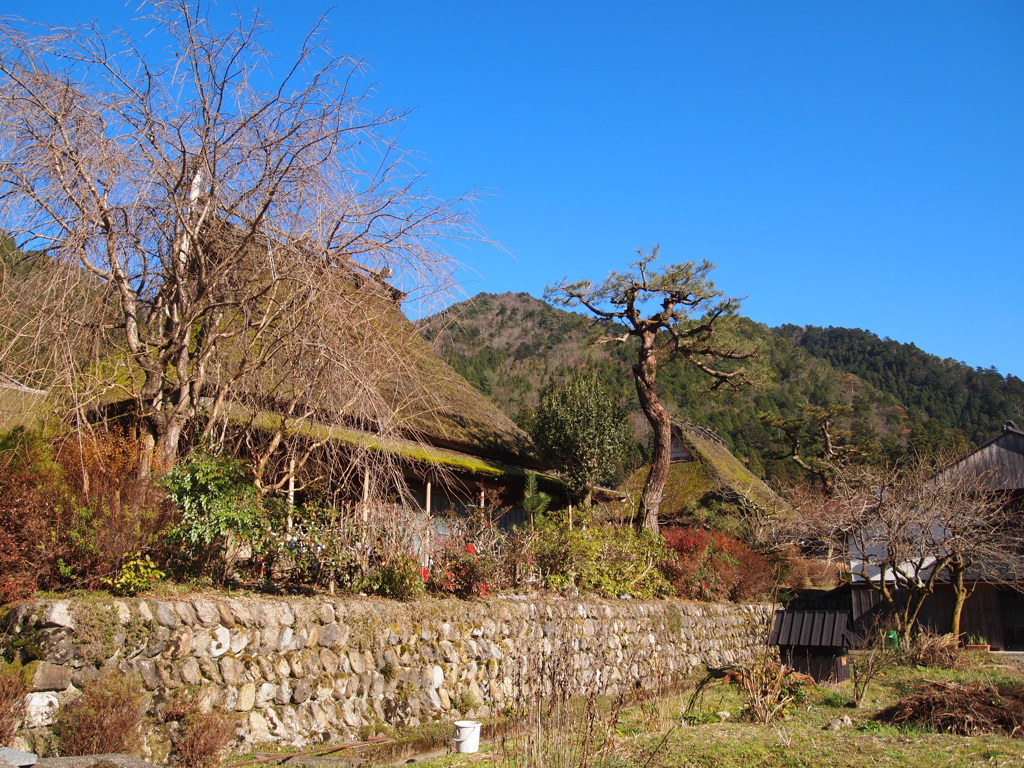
(711, 565)
(71, 510)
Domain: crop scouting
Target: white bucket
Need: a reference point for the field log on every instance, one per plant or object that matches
(467, 736)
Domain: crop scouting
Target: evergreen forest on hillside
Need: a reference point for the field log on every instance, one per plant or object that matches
(894, 396)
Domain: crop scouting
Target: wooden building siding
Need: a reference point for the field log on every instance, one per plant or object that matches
(993, 612)
(1000, 460)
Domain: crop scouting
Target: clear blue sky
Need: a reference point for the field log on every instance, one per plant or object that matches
(857, 164)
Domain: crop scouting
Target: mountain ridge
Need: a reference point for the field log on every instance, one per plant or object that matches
(511, 345)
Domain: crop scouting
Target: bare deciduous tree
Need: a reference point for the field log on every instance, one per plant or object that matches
(674, 311)
(907, 529)
(219, 224)
(983, 541)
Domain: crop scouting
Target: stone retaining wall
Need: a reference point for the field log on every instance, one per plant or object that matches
(303, 670)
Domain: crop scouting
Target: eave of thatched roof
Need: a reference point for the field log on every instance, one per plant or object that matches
(442, 409)
(412, 451)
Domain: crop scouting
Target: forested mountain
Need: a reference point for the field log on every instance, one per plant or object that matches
(975, 400)
(511, 346)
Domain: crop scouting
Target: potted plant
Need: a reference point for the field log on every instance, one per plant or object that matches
(976, 643)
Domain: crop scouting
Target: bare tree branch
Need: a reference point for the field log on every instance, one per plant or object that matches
(200, 245)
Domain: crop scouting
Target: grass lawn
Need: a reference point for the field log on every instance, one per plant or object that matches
(651, 734)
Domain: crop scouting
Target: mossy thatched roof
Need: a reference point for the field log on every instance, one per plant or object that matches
(405, 386)
(419, 396)
(436, 405)
(722, 471)
(712, 473)
(20, 406)
(412, 452)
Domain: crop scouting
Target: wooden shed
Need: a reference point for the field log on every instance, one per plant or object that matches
(814, 642)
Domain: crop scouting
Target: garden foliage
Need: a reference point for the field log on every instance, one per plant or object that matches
(73, 510)
(606, 559)
(711, 565)
(218, 502)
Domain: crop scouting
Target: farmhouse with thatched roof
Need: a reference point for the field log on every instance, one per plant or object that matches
(704, 470)
(395, 423)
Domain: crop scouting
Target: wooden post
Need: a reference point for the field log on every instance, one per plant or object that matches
(366, 494)
(291, 491)
(428, 497)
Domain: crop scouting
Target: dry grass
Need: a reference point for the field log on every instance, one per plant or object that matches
(969, 708)
(106, 718)
(641, 736)
(205, 738)
(12, 701)
(938, 651)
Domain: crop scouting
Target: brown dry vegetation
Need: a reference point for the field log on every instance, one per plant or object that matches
(969, 708)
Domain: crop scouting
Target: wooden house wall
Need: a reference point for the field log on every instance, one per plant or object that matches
(1001, 460)
(988, 612)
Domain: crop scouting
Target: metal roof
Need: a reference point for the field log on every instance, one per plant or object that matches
(810, 628)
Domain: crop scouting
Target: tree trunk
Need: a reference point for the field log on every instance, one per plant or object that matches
(160, 435)
(644, 373)
(960, 593)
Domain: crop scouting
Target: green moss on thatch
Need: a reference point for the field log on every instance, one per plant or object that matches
(714, 474)
(723, 470)
(408, 450)
(21, 407)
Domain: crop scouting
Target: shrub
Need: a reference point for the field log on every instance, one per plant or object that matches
(204, 738)
(71, 509)
(217, 499)
(515, 565)
(322, 548)
(400, 577)
(711, 565)
(810, 573)
(459, 571)
(609, 560)
(106, 718)
(770, 690)
(137, 574)
(12, 700)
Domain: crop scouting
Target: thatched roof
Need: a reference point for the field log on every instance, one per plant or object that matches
(710, 471)
(437, 406)
(407, 388)
(435, 415)
(419, 396)
(20, 406)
